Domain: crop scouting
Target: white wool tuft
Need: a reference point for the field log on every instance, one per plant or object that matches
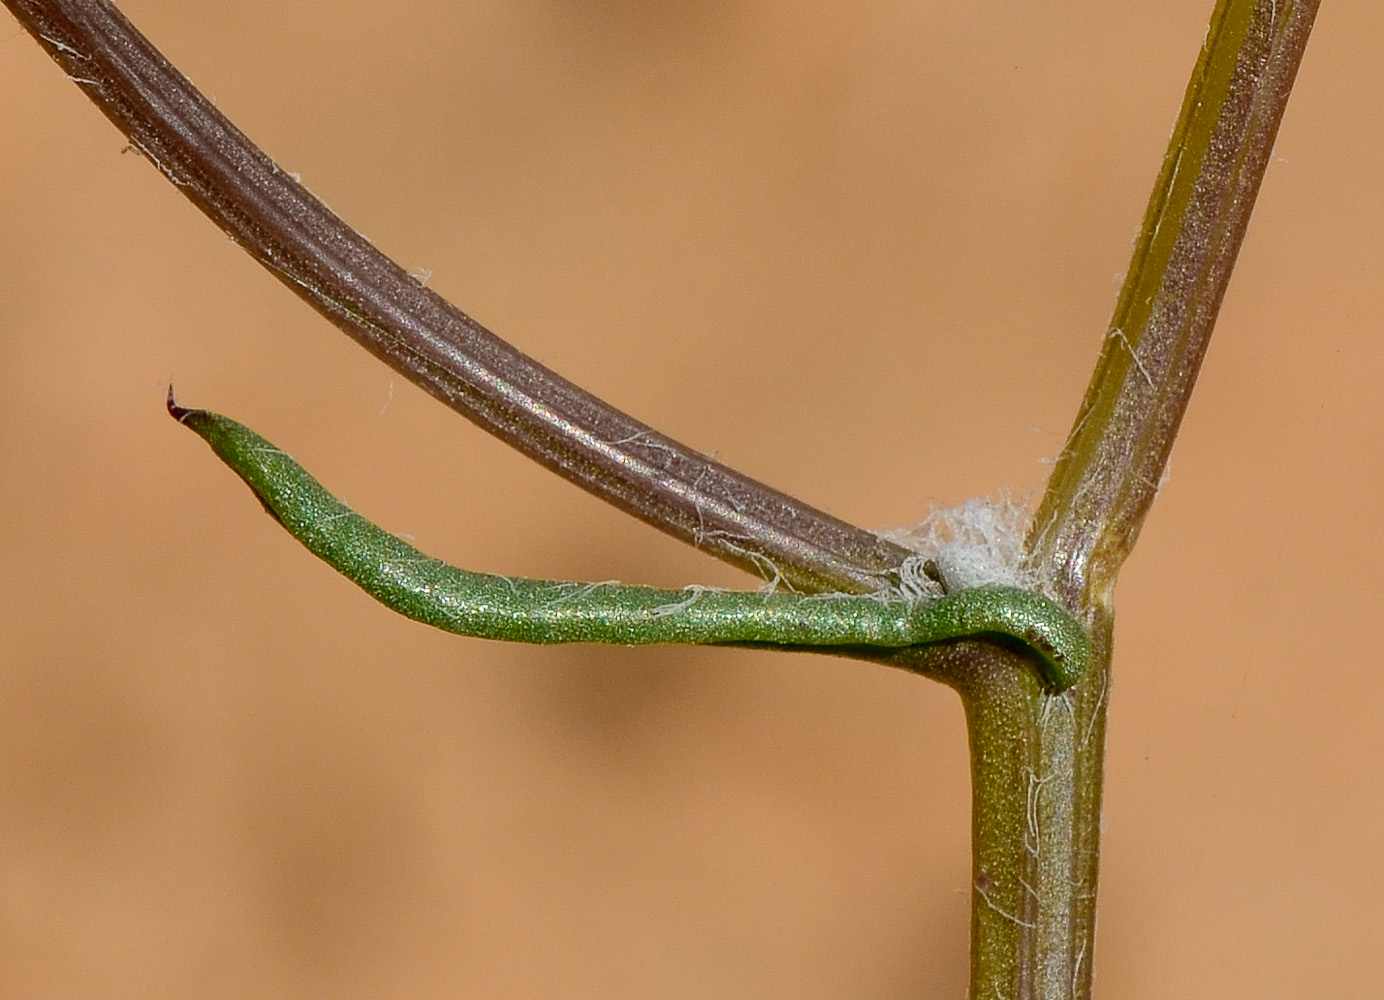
(980, 541)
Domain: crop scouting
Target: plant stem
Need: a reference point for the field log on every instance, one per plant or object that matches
(1038, 759)
(430, 341)
(1112, 464)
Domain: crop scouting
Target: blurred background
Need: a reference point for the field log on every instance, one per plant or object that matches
(863, 252)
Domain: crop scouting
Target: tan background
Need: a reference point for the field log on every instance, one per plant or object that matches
(863, 251)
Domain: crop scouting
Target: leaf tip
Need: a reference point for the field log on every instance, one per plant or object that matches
(178, 413)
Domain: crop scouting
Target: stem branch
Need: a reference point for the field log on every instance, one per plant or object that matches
(430, 341)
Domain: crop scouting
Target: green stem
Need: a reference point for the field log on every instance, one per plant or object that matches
(1038, 758)
(1036, 761)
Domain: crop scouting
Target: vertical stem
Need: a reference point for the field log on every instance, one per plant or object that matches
(1038, 759)
(1036, 773)
(1036, 767)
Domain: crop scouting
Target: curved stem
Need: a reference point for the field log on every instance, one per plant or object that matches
(430, 341)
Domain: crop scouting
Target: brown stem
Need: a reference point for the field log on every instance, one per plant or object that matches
(430, 341)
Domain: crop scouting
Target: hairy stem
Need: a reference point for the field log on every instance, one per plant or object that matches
(1038, 758)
